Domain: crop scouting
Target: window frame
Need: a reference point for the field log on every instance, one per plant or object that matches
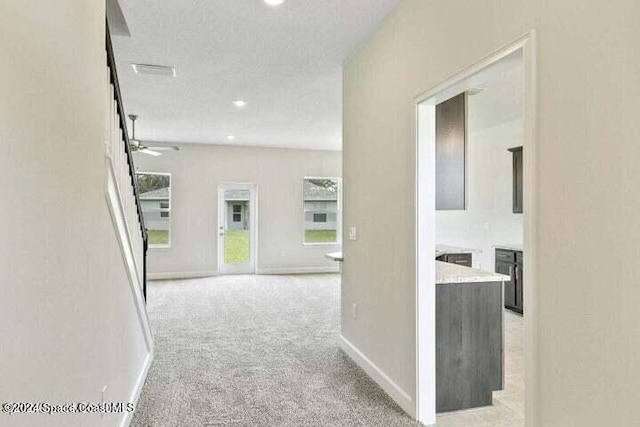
(169, 209)
(338, 240)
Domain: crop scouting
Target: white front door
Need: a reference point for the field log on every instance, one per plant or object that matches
(236, 228)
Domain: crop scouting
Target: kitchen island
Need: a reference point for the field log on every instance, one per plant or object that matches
(469, 336)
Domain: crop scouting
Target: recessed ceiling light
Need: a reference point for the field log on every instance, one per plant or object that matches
(274, 2)
(239, 103)
(231, 137)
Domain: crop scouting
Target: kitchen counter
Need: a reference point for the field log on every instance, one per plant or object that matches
(451, 273)
(510, 247)
(449, 250)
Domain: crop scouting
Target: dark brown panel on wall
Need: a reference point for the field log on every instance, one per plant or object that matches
(451, 148)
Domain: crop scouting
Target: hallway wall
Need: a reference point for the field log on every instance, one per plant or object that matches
(69, 324)
(586, 230)
(198, 169)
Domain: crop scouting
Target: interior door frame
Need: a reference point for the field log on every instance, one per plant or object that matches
(425, 287)
(245, 268)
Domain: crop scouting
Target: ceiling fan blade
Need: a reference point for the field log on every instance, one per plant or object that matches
(165, 148)
(150, 152)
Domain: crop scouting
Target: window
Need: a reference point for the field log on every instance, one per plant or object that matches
(321, 199)
(319, 217)
(155, 200)
(237, 213)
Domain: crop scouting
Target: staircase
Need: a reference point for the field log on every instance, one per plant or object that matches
(122, 185)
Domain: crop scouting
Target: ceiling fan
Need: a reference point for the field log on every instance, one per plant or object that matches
(138, 146)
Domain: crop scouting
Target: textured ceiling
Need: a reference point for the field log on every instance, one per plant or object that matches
(285, 61)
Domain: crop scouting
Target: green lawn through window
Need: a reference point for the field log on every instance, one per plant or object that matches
(158, 237)
(320, 236)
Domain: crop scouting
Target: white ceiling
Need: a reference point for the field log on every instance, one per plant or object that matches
(285, 61)
(502, 99)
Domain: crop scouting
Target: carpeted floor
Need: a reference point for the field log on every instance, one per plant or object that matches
(255, 351)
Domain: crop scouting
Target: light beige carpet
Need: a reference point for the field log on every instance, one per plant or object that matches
(255, 351)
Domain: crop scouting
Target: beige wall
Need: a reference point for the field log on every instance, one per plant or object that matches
(197, 170)
(587, 232)
(69, 323)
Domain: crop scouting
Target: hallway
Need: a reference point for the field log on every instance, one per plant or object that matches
(255, 350)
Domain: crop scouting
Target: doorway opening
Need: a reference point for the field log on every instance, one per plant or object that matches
(479, 220)
(237, 228)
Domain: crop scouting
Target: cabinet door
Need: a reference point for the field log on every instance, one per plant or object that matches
(504, 255)
(451, 152)
(517, 179)
(460, 259)
(509, 286)
(519, 288)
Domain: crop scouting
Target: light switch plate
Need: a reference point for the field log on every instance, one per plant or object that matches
(353, 235)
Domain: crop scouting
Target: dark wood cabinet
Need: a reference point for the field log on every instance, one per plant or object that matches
(519, 288)
(451, 153)
(469, 345)
(509, 262)
(506, 268)
(517, 179)
(460, 259)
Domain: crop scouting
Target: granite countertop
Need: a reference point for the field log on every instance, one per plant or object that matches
(335, 256)
(448, 249)
(453, 273)
(511, 247)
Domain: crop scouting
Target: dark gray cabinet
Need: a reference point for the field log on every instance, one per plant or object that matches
(469, 344)
(460, 259)
(517, 179)
(510, 263)
(451, 153)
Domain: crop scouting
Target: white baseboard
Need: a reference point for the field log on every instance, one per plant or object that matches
(181, 275)
(298, 270)
(177, 275)
(137, 389)
(384, 381)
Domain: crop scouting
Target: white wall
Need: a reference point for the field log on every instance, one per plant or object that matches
(584, 297)
(197, 170)
(69, 323)
(489, 218)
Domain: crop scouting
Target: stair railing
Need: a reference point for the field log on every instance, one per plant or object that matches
(124, 170)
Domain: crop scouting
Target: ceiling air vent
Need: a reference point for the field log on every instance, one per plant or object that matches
(154, 70)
